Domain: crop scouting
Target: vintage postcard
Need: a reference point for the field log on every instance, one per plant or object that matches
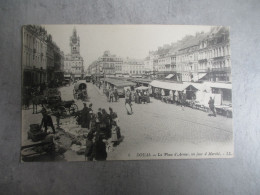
(126, 92)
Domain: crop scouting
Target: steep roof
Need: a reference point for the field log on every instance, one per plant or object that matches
(192, 41)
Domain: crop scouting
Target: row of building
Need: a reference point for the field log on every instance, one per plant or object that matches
(42, 59)
(205, 56)
(112, 65)
(44, 62)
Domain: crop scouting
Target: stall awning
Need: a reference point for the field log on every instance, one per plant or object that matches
(169, 86)
(67, 76)
(220, 85)
(201, 75)
(169, 76)
(77, 75)
(119, 82)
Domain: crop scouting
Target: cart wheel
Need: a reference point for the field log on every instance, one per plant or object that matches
(73, 108)
(63, 111)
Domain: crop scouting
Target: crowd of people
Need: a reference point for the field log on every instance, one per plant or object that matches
(172, 97)
(111, 94)
(102, 126)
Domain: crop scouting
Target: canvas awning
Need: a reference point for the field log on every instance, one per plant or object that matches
(220, 85)
(169, 86)
(201, 75)
(118, 82)
(169, 76)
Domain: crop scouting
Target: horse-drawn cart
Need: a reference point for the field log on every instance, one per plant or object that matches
(80, 91)
(63, 107)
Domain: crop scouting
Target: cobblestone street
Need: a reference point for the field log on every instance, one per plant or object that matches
(154, 128)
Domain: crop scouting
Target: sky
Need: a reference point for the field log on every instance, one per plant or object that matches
(133, 41)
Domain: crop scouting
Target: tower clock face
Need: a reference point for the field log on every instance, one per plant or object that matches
(74, 41)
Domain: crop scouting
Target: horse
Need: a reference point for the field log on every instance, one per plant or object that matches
(37, 99)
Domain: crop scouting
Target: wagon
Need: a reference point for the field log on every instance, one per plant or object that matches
(66, 107)
(55, 104)
(80, 90)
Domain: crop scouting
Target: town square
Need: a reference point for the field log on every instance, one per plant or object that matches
(173, 103)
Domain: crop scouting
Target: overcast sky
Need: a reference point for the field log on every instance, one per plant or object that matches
(133, 41)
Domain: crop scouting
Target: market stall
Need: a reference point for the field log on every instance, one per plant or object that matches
(119, 84)
(170, 91)
(142, 94)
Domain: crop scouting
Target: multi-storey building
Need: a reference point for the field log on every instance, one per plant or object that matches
(214, 56)
(62, 60)
(110, 64)
(133, 67)
(163, 62)
(203, 56)
(93, 68)
(73, 62)
(34, 60)
(148, 63)
(50, 59)
(187, 57)
(41, 56)
(58, 57)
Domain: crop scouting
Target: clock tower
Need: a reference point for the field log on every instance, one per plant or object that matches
(74, 43)
(73, 63)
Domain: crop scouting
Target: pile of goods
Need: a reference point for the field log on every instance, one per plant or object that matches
(35, 133)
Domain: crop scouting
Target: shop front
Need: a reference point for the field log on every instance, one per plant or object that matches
(33, 77)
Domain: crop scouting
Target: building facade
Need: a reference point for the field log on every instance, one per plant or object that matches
(34, 55)
(133, 67)
(41, 57)
(214, 55)
(148, 63)
(109, 64)
(205, 56)
(73, 62)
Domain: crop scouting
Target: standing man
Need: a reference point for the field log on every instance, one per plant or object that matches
(176, 97)
(162, 94)
(128, 103)
(58, 116)
(116, 95)
(47, 121)
(107, 94)
(85, 116)
(211, 106)
(171, 96)
(90, 111)
(111, 96)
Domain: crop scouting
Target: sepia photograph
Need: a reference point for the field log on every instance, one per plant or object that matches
(126, 92)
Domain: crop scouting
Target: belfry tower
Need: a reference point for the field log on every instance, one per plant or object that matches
(75, 43)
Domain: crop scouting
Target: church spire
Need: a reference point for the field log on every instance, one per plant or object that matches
(74, 32)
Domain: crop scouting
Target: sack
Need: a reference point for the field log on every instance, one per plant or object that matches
(35, 128)
(36, 136)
